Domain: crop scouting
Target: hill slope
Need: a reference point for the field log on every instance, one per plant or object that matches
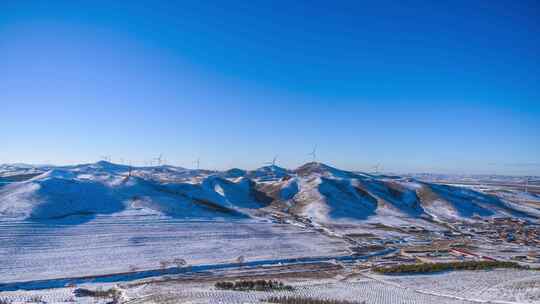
(316, 191)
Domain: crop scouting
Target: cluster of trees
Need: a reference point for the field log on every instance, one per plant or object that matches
(436, 267)
(100, 293)
(258, 285)
(303, 300)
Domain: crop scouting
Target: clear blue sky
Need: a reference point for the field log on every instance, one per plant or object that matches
(440, 86)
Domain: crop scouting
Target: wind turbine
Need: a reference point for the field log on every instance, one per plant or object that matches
(526, 184)
(273, 162)
(313, 154)
(106, 158)
(272, 168)
(376, 167)
(159, 159)
(198, 162)
(130, 168)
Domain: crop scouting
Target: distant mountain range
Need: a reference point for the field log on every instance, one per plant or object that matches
(314, 191)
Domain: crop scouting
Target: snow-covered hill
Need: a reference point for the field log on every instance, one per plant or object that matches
(315, 191)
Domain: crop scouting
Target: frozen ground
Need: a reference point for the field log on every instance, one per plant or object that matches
(125, 242)
(103, 218)
(371, 291)
(498, 286)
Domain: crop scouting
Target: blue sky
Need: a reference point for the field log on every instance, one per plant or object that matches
(417, 86)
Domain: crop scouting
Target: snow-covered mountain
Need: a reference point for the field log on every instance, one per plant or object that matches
(314, 191)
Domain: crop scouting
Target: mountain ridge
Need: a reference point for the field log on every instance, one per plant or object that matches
(315, 191)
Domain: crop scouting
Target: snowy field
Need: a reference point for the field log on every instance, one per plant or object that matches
(502, 285)
(121, 243)
(445, 288)
(368, 290)
(371, 291)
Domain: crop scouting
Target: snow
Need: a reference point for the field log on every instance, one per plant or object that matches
(464, 287)
(269, 173)
(102, 218)
(315, 190)
(289, 189)
(118, 242)
(371, 291)
(499, 285)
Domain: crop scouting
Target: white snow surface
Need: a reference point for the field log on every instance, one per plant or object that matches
(119, 242)
(315, 190)
(102, 218)
(463, 287)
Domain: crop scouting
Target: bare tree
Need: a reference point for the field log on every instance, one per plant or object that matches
(179, 262)
(241, 259)
(163, 265)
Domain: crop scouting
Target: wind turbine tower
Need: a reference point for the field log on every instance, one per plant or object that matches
(272, 168)
(313, 154)
(130, 169)
(273, 162)
(159, 159)
(106, 158)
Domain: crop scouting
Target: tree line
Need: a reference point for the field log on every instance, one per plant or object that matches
(436, 267)
(257, 285)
